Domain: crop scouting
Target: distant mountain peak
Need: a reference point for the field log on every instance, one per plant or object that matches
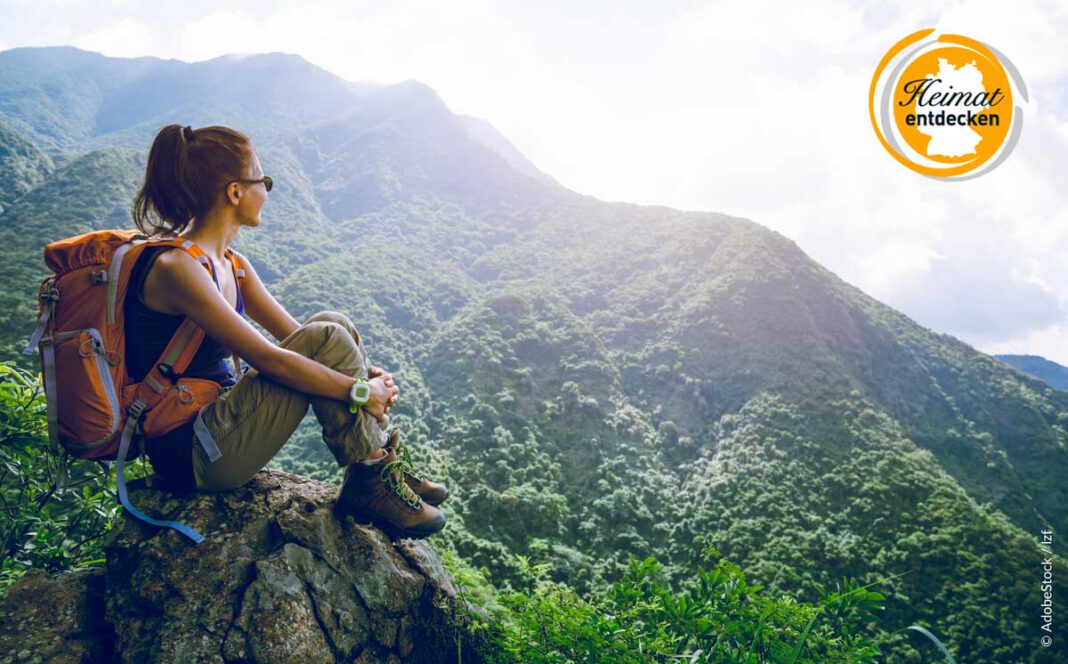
(1055, 375)
(71, 100)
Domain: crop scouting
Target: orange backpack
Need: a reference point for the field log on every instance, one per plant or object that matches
(94, 408)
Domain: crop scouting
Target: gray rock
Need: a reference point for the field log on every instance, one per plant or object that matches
(278, 578)
(56, 619)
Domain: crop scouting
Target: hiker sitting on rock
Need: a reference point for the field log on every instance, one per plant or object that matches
(205, 185)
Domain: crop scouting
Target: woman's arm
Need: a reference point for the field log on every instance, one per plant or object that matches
(191, 291)
(268, 312)
(261, 305)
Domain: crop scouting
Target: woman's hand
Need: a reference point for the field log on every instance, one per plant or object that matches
(373, 371)
(383, 395)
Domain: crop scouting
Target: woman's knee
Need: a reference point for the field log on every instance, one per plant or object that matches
(310, 338)
(338, 318)
(330, 344)
(330, 316)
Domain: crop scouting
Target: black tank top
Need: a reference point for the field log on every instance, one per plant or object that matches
(147, 333)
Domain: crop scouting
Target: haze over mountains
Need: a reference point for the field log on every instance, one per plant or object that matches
(596, 379)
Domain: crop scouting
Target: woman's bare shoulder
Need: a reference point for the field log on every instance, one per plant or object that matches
(168, 267)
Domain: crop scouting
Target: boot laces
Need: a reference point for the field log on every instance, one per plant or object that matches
(404, 460)
(393, 476)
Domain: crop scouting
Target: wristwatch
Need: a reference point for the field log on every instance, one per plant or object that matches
(359, 394)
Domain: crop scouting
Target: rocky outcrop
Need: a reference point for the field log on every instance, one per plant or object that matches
(57, 620)
(278, 579)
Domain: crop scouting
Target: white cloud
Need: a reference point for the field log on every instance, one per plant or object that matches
(1047, 342)
(125, 38)
(794, 150)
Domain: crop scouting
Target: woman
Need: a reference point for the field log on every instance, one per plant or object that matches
(205, 185)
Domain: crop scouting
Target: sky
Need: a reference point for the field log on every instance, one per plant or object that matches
(751, 108)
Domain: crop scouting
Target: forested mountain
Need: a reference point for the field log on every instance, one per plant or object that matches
(593, 379)
(1039, 367)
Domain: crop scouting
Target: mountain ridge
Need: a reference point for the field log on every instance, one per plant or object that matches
(1048, 371)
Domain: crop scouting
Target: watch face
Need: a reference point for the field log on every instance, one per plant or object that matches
(361, 392)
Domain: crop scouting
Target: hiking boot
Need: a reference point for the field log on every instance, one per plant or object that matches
(432, 492)
(374, 490)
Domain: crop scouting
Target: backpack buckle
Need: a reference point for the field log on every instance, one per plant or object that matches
(98, 277)
(167, 370)
(137, 407)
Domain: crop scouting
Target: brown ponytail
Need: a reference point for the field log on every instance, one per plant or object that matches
(186, 169)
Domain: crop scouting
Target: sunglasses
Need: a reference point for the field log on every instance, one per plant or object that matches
(266, 180)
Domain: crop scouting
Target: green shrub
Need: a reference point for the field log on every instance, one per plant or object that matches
(42, 527)
(718, 617)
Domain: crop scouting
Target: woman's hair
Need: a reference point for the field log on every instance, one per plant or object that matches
(186, 169)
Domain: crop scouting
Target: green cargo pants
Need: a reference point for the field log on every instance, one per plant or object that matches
(246, 425)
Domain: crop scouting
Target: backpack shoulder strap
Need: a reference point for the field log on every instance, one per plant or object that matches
(239, 271)
(174, 360)
(182, 347)
(239, 276)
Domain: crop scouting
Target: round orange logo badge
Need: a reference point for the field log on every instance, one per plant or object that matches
(946, 106)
